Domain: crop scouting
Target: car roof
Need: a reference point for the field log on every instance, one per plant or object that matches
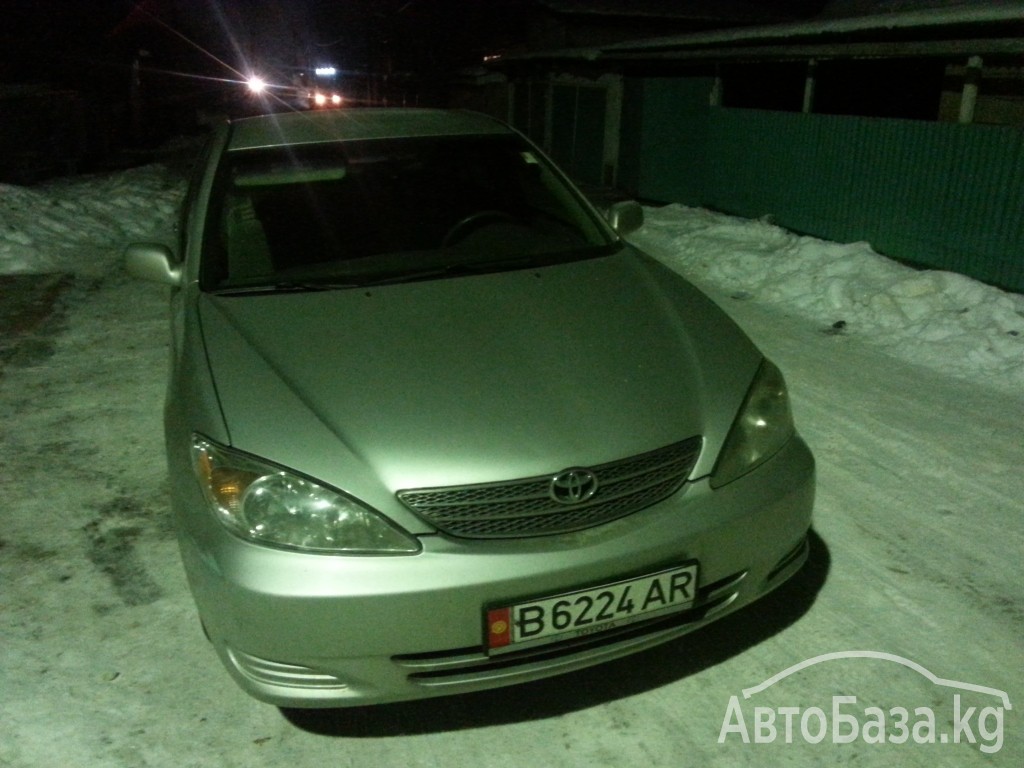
(290, 128)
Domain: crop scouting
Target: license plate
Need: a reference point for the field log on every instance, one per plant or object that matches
(588, 611)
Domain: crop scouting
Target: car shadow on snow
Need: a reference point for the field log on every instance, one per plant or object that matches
(596, 685)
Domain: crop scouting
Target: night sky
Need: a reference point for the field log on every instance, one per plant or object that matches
(83, 43)
(88, 76)
(78, 42)
(139, 71)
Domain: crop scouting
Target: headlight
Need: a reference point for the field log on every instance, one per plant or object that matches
(269, 505)
(763, 426)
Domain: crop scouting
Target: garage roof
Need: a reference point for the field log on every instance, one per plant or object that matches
(980, 27)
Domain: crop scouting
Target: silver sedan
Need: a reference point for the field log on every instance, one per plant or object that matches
(434, 427)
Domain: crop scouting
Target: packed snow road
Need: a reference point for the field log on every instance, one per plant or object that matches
(915, 568)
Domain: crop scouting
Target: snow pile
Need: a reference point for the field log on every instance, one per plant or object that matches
(939, 319)
(81, 225)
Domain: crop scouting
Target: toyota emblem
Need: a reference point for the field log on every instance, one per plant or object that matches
(573, 486)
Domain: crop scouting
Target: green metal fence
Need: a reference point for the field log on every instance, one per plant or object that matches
(939, 195)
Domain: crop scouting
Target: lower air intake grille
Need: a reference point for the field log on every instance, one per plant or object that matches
(527, 507)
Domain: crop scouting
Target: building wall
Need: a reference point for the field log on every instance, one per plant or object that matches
(939, 195)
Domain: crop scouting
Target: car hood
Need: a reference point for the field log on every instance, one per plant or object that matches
(476, 379)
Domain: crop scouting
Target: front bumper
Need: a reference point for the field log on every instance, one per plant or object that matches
(303, 630)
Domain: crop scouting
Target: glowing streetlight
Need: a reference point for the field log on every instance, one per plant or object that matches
(256, 84)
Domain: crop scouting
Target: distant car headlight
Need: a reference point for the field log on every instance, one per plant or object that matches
(763, 426)
(269, 505)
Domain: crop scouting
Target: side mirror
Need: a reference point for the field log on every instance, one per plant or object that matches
(625, 216)
(152, 262)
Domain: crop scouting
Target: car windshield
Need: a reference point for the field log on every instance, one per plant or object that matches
(368, 212)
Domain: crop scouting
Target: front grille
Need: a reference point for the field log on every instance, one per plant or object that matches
(525, 507)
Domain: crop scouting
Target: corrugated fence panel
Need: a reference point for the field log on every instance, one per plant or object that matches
(940, 195)
(672, 138)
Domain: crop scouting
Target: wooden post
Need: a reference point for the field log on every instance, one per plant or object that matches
(812, 67)
(969, 97)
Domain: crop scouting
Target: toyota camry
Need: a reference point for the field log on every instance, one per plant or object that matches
(434, 426)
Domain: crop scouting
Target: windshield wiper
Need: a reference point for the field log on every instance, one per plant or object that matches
(455, 270)
(283, 287)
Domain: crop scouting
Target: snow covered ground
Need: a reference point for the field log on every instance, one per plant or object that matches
(908, 385)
